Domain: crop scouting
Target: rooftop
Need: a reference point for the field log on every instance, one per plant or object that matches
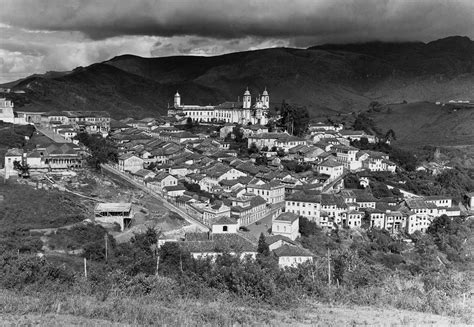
(113, 207)
(292, 251)
(287, 216)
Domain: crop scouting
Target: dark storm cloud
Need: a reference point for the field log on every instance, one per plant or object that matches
(300, 20)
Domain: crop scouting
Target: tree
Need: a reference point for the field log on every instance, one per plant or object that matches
(238, 134)
(262, 161)
(307, 227)
(295, 119)
(189, 123)
(375, 106)
(263, 248)
(101, 149)
(253, 148)
(23, 170)
(390, 136)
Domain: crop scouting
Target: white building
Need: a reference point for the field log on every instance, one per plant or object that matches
(6, 111)
(229, 112)
(272, 192)
(292, 256)
(286, 224)
(331, 168)
(130, 162)
(305, 204)
(11, 156)
(225, 225)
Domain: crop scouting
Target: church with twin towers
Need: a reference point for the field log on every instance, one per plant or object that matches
(240, 112)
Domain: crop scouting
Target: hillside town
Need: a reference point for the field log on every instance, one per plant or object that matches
(229, 169)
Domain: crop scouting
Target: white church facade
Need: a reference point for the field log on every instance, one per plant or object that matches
(228, 112)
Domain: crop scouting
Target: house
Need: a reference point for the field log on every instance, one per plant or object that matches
(352, 218)
(332, 206)
(253, 130)
(423, 208)
(160, 181)
(331, 168)
(210, 245)
(248, 208)
(225, 225)
(226, 129)
(286, 224)
(276, 241)
(306, 204)
(440, 200)
(114, 213)
(357, 136)
(47, 156)
(143, 174)
(418, 223)
(130, 162)
(292, 256)
(347, 156)
(11, 156)
(174, 191)
(212, 212)
(286, 142)
(272, 192)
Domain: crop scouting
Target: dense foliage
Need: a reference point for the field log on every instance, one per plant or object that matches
(372, 269)
(454, 182)
(294, 118)
(13, 136)
(101, 149)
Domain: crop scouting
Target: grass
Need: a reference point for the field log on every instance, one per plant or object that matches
(76, 237)
(422, 123)
(25, 208)
(221, 311)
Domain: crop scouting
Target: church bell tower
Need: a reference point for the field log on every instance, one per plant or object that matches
(177, 100)
(247, 100)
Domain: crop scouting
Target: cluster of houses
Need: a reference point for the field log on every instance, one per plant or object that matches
(224, 237)
(43, 154)
(66, 123)
(200, 174)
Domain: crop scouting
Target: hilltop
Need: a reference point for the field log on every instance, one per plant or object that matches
(327, 79)
(424, 123)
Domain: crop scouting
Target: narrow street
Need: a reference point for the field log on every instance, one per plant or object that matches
(158, 197)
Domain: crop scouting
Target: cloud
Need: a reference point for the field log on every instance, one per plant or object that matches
(38, 36)
(230, 19)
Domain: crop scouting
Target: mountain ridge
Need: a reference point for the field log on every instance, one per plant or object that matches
(327, 79)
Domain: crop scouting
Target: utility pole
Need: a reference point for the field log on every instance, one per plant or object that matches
(106, 252)
(329, 267)
(157, 255)
(85, 267)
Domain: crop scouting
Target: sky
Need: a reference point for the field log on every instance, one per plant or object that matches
(37, 36)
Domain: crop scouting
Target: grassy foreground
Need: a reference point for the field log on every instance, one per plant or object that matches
(60, 310)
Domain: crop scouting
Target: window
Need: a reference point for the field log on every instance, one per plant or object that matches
(224, 228)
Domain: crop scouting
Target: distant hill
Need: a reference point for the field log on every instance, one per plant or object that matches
(327, 79)
(419, 124)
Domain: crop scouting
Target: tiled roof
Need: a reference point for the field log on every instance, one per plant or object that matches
(292, 251)
(275, 238)
(287, 216)
(311, 197)
(14, 152)
(331, 163)
(220, 243)
(225, 221)
(179, 187)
